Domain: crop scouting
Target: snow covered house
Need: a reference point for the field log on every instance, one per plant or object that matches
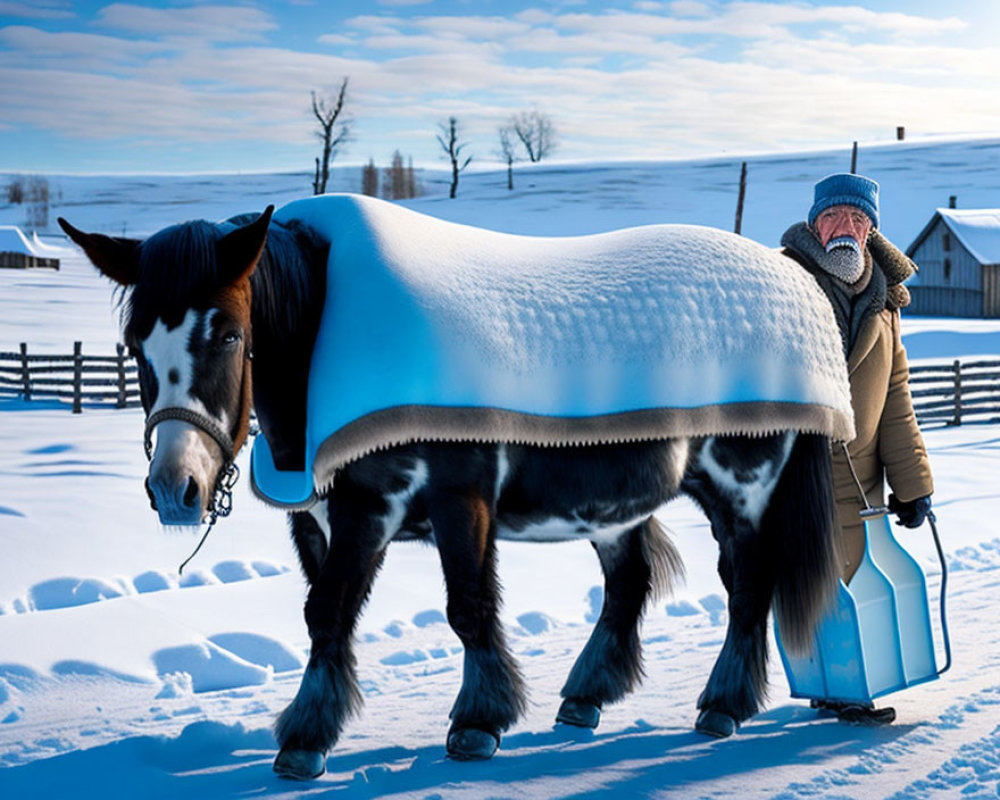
(17, 250)
(958, 253)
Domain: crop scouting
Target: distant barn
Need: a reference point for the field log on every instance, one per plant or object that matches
(958, 253)
(17, 250)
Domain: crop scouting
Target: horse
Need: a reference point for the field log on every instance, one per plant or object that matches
(223, 317)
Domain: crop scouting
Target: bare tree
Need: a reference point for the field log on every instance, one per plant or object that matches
(450, 144)
(327, 112)
(508, 152)
(399, 182)
(394, 181)
(536, 132)
(412, 190)
(369, 179)
(37, 201)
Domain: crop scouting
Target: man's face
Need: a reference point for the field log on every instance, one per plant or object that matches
(837, 221)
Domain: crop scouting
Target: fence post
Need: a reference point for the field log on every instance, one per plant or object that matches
(957, 369)
(120, 348)
(77, 377)
(738, 228)
(25, 372)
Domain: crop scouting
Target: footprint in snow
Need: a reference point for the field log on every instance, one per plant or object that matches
(268, 570)
(595, 597)
(260, 650)
(716, 608)
(67, 592)
(50, 450)
(406, 657)
(210, 667)
(152, 581)
(682, 608)
(197, 578)
(430, 617)
(19, 676)
(395, 629)
(90, 670)
(233, 571)
(535, 622)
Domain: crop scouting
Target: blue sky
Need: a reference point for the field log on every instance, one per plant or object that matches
(224, 86)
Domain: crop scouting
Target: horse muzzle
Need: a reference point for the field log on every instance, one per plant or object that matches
(182, 473)
(177, 499)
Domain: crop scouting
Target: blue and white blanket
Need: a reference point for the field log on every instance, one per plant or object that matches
(439, 331)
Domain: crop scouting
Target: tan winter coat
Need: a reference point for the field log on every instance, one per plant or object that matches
(888, 441)
(888, 444)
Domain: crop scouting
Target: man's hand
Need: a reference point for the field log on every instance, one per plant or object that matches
(911, 513)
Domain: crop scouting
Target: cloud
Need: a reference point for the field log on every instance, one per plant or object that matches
(208, 22)
(689, 8)
(79, 51)
(472, 27)
(679, 78)
(38, 9)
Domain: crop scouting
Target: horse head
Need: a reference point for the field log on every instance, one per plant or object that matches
(187, 322)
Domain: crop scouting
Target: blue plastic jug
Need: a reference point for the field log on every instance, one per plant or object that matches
(877, 636)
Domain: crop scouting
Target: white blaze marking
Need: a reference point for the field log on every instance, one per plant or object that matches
(178, 442)
(503, 469)
(167, 350)
(321, 513)
(559, 529)
(756, 494)
(399, 501)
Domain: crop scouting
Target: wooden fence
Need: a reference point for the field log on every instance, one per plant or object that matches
(943, 394)
(953, 393)
(78, 378)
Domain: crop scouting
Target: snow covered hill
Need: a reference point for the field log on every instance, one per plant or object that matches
(120, 678)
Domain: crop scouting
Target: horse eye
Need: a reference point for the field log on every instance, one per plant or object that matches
(231, 337)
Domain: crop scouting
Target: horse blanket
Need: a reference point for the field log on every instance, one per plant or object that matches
(435, 331)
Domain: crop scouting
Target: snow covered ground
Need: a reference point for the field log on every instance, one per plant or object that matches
(121, 679)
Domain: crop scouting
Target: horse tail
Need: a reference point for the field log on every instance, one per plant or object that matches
(802, 524)
(665, 565)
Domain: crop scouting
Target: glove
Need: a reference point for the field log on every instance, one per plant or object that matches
(911, 513)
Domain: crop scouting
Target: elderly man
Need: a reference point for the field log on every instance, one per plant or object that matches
(861, 273)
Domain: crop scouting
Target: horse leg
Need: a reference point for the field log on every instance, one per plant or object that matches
(311, 535)
(636, 565)
(737, 684)
(329, 691)
(492, 694)
(771, 505)
(733, 480)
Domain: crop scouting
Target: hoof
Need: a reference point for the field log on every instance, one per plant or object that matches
(300, 765)
(717, 724)
(581, 713)
(472, 744)
(856, 713)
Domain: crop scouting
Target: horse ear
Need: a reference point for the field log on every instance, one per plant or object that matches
(113, 256)
(240, 250)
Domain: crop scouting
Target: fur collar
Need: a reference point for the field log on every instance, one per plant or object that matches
(892, 262)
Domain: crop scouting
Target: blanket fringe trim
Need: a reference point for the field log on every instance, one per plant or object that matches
(403, 425)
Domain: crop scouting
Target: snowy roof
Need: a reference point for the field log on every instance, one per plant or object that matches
(978, 229)
(13, 240)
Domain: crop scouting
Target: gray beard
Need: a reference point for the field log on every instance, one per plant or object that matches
(844, 259)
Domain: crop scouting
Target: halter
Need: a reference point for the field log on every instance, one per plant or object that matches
(229, 473)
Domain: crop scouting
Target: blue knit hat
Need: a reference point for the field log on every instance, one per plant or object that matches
(845, 189)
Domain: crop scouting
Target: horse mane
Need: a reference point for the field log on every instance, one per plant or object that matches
(290, 279)
(179, 269)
